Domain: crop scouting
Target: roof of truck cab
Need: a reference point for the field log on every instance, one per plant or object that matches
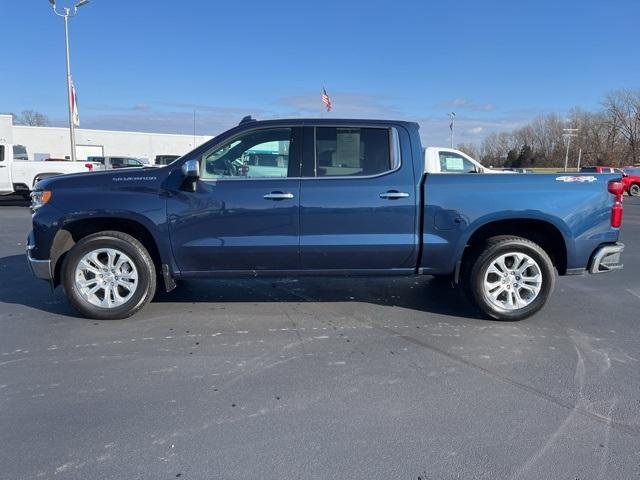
(325, 121)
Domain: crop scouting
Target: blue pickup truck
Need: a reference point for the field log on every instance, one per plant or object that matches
(319, 197)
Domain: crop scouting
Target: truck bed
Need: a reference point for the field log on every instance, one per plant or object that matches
(576, 206)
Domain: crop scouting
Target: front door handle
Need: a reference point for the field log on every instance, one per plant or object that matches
(278, 196)
(393, 194)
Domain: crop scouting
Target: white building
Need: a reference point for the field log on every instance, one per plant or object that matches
(53, 142)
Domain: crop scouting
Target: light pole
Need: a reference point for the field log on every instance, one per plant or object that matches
(452, 116)
(568, 134)
(69, 12)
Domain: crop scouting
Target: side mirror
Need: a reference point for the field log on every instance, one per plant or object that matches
(191, 173)
(191, 169)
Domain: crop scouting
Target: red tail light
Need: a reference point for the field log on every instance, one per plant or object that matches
(616, 188)
(89, 166)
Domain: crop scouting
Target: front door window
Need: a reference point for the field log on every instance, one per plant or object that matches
(257, 154)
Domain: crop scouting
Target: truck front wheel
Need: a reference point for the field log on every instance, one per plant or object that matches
(108, 275)
(635, 190)
(511, 278)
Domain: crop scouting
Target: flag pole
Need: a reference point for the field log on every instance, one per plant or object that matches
(452, 117)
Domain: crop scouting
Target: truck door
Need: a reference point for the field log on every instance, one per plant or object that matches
(357, 200)
(244, 215)
(6, 185)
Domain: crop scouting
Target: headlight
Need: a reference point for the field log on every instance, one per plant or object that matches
(39, 198)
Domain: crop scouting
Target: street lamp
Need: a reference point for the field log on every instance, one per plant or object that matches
(66, 13)
(568, 134)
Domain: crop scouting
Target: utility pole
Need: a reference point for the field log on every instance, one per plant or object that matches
(579, 158)
(568, 134)
(68, 12)
(452, 117)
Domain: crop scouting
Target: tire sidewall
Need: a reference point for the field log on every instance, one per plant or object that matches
(635, 188)
(142, 265)
(478, 272)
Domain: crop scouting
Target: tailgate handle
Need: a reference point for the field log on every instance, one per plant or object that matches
(278, 196)
(393, 194)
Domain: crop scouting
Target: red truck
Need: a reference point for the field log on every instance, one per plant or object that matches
(630, 177)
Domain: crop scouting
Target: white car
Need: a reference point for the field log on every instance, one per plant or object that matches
(448, 160)
(19, 176)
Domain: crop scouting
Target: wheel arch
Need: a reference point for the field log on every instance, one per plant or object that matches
(72, 232)
(543, 232)
(39, 176)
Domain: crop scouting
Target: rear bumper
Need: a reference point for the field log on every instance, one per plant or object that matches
(607, 258)
(39, 268)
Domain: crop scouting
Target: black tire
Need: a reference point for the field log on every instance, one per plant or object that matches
(482, 259)
(131, 247)
(634, 190)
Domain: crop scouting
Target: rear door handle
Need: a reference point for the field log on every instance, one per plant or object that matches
(278, 196)
(392, 195)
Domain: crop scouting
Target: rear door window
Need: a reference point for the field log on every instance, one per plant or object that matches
(453, 163)
(347, 151)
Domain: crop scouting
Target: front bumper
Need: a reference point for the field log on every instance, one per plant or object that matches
(39, 268)
(607, 258)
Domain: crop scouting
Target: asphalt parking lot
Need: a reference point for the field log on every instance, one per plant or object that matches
(319, 378)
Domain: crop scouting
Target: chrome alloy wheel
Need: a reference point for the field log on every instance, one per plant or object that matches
(512, 281)
(106, 278)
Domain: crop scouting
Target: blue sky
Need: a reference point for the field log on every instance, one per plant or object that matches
(145, 65)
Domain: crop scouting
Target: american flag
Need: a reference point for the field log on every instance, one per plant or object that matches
(326, 100)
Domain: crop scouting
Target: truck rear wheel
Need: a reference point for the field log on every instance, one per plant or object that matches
(511, 278)
(108, 275)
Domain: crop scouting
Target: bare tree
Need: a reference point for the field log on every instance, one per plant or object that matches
(32, 118)
(623, 111)
(470, 149)
(608, 137)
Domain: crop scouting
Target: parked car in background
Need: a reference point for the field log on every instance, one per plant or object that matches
(320, 197)
(165, 159)
(110, 163)
(630, 179)
(449, 160)
(598, 169)
(19, 175)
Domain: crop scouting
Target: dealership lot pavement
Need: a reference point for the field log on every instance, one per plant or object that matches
(319, 378)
